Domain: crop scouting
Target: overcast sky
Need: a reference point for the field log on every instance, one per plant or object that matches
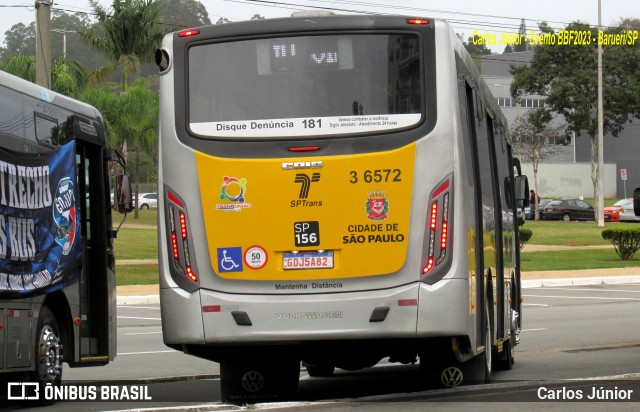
(492, 16)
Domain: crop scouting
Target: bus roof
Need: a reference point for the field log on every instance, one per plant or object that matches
(41, 93)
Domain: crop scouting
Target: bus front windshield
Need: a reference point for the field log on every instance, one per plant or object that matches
(306, 85)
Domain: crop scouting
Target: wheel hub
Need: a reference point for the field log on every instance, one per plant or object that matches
(49, 354)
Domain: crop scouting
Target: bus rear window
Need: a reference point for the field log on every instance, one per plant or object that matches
(307, 85)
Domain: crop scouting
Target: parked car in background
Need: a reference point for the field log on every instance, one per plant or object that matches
(541, 204)
(148, 200)
(568, 209)
(626, 214)
(612, 213)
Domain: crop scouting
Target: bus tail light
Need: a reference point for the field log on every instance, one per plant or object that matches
(437, 239)
(418, 21)
(181, 263)
(189, 33)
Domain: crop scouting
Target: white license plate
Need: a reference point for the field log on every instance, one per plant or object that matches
(308, 260)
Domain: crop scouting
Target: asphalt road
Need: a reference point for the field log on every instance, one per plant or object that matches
(568, 333)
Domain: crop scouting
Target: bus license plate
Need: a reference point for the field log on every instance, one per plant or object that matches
(308, 260)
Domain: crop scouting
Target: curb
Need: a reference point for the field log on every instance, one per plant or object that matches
(526, 284)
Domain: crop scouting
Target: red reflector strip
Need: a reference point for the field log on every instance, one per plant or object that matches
(304, 148)
(441, 189)
(175, 200)
(188, 33)
(407, 302)
(212, 308)
(417, 21)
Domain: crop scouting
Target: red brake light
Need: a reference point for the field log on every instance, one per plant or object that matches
(174, 244)
(188, 33)
(304, 148)
(183, 226)
(428, 266)
(418, 21)
(434, 215)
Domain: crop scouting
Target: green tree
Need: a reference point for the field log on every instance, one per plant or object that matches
(257, 17)
(66, 25)
(127, 35)
(567, 75)
(131, 119)
(223, 20)
(179, 14)
(507, 49)
(476, 46)
(19, 39)
(533, 137)
(523, 45)
(68, 76)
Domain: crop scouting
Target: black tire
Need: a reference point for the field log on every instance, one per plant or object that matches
(48, 352)
(507, 358)
(566, 217)
(320, 371)
(478, 370)
(144, 206)
(248, 382)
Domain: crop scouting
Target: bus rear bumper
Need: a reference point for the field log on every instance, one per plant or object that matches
(410, 311)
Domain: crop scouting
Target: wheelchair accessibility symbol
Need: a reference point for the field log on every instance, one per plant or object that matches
(229, 259)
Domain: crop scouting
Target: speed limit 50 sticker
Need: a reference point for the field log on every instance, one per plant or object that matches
(255, 257)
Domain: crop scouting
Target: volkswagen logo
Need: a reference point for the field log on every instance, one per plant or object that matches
(252, 381)
(451, 377)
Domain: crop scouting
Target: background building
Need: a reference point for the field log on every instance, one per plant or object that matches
(568, 172)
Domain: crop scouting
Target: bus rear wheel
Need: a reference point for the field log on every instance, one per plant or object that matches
(243, 381)
(48, 352)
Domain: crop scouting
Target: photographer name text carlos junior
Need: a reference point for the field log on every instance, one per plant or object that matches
(596, 393)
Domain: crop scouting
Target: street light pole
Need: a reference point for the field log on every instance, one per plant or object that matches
(64, 39)
(600, 174)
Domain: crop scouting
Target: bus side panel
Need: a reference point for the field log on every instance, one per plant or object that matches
(442, 310)
(310, 317)
(16, 333)
(181, 317)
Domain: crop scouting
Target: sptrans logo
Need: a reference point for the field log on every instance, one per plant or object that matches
(32, 391)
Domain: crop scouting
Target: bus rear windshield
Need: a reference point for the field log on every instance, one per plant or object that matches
(308, 85)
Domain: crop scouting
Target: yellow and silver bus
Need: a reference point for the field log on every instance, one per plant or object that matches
(336, 190)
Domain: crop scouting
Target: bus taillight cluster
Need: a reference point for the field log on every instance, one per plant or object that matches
(179, 237)
(438, 227)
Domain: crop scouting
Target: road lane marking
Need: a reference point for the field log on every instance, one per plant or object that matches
(536, 304)
(134, 317)
(142, 333)
(593, 290)
(533, 330)
(139, 307)
(577, 297)
(148, 353)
